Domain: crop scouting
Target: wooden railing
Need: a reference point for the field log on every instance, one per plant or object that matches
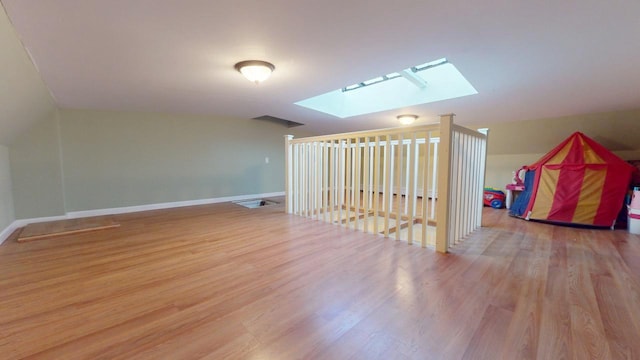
(385, 181)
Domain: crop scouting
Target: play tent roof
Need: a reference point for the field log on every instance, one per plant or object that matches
(578, 182)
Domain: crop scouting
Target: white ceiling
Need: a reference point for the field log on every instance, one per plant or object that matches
(527, 59)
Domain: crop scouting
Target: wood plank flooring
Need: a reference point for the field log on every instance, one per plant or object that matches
(50, 229)
(222, 281)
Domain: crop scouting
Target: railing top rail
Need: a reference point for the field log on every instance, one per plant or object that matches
(468, 131)
(379, 132)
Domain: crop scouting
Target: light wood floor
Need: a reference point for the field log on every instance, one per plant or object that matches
(221, 281)
(52, 229)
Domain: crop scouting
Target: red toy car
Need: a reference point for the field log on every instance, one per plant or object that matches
(494, 198)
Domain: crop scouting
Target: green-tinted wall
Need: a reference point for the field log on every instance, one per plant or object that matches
(36, 171)
(6, 198)
(86, 160)
(24, 102)
(114, 159)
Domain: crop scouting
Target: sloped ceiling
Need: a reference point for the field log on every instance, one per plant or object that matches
(24, 99)
(527, 59)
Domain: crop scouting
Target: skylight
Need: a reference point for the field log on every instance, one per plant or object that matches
(371, 82)
(421, 84)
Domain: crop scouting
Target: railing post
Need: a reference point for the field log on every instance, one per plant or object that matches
(425, 187)
(366, 189)
(387, 197)
(444, 187)
(399, 157)
(288, 173)
(483, 167)
(411, 189)
(376, 184)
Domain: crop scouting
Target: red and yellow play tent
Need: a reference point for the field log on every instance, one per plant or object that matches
(578, 182)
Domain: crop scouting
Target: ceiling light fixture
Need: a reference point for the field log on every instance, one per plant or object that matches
(256, 71)
(407, 119)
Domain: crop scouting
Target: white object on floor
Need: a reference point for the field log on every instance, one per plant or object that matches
(633, 221)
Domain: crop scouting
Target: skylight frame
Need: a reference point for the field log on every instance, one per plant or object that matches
(394, 75)
(375, 80)
(429, 82)
(429, 65)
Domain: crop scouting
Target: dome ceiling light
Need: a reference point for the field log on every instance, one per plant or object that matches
(255, 71)
(407, 119)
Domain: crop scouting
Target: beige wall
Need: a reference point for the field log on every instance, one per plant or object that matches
(6, 198)
(116, 159)
(514, 144)
(24, 99)
(36, 171)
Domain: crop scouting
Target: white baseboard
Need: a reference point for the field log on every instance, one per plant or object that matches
(4, 234)
(129, 209)
(159, 206)
(25, 222)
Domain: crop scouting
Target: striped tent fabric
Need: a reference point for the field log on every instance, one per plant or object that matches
(578, 182)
